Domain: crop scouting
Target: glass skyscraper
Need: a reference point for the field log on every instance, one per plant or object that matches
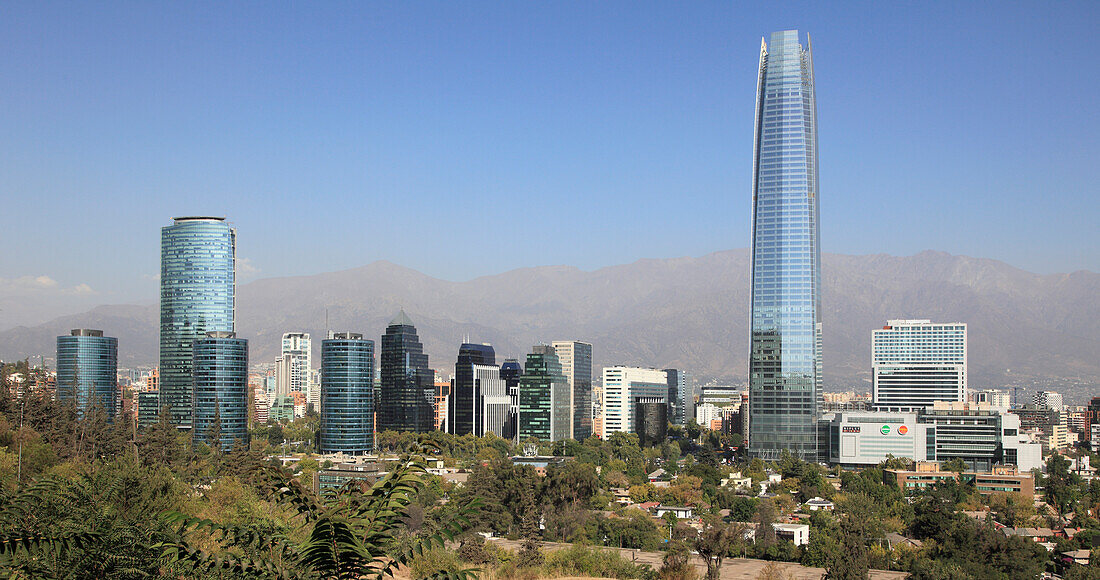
(408, 390)
(462, 415)
(544, 401)
(347, 394)
(220, 371)
(785, 351)
(87, 371)
(197, 291)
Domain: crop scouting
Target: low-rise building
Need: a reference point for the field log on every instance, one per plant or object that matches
(335, 477)
(798, 534)
(925, 474)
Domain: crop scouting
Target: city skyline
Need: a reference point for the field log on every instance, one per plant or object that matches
(910, 146)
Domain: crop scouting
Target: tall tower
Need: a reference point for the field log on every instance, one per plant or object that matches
(544, 410)
(197, 294)
(347, 394)
(221, 389)
(915, 363)
(785, 346)
(87, 371)
(576, 365)
(465, 401)
(294, 366)
(407, 401)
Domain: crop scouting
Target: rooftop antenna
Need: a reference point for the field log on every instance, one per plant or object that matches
(328, 333)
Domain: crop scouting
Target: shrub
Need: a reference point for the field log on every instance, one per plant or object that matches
(580, 560)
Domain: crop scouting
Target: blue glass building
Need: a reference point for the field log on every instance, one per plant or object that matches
(785, 351)
(87, 371)
(197, 284)
(220, 371)
(347, 394)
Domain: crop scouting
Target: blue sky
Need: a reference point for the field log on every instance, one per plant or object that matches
(466, 138)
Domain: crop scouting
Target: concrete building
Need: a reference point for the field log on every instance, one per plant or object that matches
(1047, 400)
(576, 364)
(926, 474)
(622, 387)
(992, 397)
(294, 365)
(915, 363)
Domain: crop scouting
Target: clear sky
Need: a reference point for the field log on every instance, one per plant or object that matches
(467, 138)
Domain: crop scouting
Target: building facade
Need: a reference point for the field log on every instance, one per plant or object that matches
(294, 367)
(347, 394)
(407, 398)
(510, 372)
(544, 401)
(681, 396)
(221, 390)
(576, 365)
(915, 363)
(197, 294)
(87, 371)
(992, 397)
(785, 341)
(1047, 400)
(465, 400)
(651, 420)
(623, 387)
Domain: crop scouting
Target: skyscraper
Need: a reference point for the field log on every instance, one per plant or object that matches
(347, 394)
(785, 345)
(463, 416)
(220, 370)
(87, 371)
(544, 402)
(576, 365)
(915, 363)
(197, 291)
(681, 396)
(407, 401)
(623, 388)
(293, 369)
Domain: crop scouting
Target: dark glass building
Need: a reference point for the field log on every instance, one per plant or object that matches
(347, 394)
(651, 420)
(407, 398)
(197, 288)
(785, 345)
(220, 371)
(148, 404)
(465, 399)
(510, 372)
(87, 371)
(681, 398)
(544, 410)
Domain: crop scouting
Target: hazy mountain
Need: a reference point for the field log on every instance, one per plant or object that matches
(690, 313)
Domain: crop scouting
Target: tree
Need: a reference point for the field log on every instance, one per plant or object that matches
(715, 542)
(765, 517)
(957, 465)
(676, 563)
(773, 571)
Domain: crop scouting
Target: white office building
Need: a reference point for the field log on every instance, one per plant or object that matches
(915, 363)
(1047, 400)
(621, 387)
(493, 405)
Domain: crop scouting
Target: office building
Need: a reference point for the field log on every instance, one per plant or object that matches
(463, 403)
(407, 397)
(294, 366)
(510, 372)
(148, 405)
(785, 341)
(442, 393)
(915, 363)
(622, 388)
(576, 365)
(220, 369)
(87, 371)
(681, 396)
(992, 397)
(998, 479)
(544, 401)
(1047, 400)
(197, 292)
(651, 420)
(347, 394)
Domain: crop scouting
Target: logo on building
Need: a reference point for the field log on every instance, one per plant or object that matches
(851, 429)
(903, 430)
(885, 430)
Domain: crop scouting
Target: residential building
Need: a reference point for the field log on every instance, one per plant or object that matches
(87, 371)
(408, 395)
(576, 365)
(464, 401)
(544, 401)
(294, 365)
(197, 293)
(681, 396)
(623, 387)
(441, 393)
(785, 340)
(347, 394)
(220, 368)
(915, 363)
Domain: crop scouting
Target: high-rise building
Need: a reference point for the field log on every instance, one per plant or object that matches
(651, 420)
(681, 396)
(87, 371)
(623, 387)
(147, 404)
(220, 369)
(544, 401)
(407, 397)
(347, 394)
(197, 292)
(915, 363)
(576, 365)
(1040, 400)
(785, 344)
(510, 372)
(474, 360)
(294, 365)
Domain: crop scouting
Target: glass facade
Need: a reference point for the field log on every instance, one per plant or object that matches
(576, 365)
(87, 371)
(407, 398)
(785, 348)
(347, 394)
(197, 292)
(510, 372)
(465, 394)
(220, 369)
(543, 397)
(681, 399)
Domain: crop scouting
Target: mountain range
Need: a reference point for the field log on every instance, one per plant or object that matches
(690, 313)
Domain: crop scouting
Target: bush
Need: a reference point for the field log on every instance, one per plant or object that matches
(580, 560)
(676, 564)
(432, 561)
